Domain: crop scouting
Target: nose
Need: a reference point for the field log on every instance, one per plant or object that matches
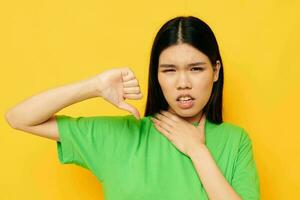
(183, 81)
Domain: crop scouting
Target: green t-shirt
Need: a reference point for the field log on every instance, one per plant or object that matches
(134, 161)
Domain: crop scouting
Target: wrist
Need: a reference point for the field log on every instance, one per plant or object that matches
(90, 87)
(194, 152)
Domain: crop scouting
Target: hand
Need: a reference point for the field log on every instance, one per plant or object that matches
(185, 136)
(118, 84)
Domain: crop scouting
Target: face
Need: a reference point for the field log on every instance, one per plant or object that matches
(184, 69)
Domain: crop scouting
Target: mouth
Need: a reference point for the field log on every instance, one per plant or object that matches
(185, 101)
(184, 97)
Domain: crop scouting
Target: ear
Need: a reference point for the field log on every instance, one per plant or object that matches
(216, 70)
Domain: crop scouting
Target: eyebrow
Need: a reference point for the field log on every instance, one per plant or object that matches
(189, 65)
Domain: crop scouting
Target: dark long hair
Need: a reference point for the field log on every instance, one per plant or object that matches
(195, 32)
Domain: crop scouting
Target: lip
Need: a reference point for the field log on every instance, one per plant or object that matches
(186, 105)
(186, 94)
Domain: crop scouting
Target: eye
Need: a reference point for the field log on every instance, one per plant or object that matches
(198, 68)
(168, 70)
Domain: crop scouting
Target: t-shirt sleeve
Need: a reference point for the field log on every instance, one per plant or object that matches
(245, 177)
(89, 141)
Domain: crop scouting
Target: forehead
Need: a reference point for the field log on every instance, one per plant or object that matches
(181, 54)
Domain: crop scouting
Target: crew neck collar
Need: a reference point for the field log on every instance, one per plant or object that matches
(193, 123)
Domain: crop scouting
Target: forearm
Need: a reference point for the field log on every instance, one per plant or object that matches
(42, 106)
(213, 180)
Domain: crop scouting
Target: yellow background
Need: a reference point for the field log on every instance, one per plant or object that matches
(45, 44)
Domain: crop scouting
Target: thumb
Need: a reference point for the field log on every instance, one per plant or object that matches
(130, 108)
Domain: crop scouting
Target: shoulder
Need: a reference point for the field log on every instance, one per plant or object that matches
(122, 120)
(239, 131)
(99, 121)
(230, 131)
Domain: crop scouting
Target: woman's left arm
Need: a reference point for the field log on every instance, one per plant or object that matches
(213, 180)
(190, 140)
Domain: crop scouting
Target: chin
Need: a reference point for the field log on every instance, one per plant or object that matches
(184, 112)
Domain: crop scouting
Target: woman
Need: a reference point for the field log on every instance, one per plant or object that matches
(181, 149)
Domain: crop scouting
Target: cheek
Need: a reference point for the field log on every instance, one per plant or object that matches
(167, 88)
(205, 83)
(164, 84)
(205, 88)
(205, 93)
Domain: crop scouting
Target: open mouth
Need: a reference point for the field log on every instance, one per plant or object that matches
(185, 103)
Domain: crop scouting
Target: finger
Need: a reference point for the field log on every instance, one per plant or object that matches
(170, 116)
(125, 71)
(165, 119)
(133, 96)
(162, 124)
(163, 131)
(128, 77)
(132, 90)
(127, 74)
(130, 108)
(131, 83)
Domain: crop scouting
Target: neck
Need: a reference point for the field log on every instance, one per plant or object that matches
(190, 119)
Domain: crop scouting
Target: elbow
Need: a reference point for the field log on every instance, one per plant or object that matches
(8, 118)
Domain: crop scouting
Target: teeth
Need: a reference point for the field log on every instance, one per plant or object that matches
(184, 98)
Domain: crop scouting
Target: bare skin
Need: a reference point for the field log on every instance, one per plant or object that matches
(185, 69)
(37, 114)
(197, 80)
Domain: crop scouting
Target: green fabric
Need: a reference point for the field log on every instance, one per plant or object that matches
(134, 161)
